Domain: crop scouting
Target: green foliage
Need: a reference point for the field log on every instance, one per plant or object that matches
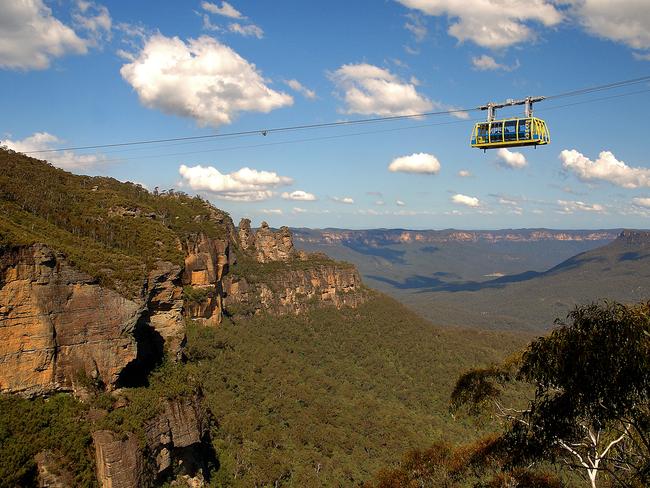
(169, 381)
(112, 230)
(592, 388)
(28, 427)
(327, 398)
(195, 295)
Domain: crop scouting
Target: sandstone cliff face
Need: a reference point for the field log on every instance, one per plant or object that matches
(272, 276)
(176, 442)
(295, 291)
(58, 325)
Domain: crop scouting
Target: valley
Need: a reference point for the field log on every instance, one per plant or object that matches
(508, 280)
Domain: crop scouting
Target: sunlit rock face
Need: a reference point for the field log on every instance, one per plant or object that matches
(60, 329)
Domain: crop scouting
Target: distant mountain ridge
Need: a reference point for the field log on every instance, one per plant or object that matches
(390, 236)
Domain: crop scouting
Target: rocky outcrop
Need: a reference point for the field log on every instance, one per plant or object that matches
(272, 246)
(119, 460)
(57, 324)
(207, 261)
(60, 329)
(52, 472)
(295, 290)
(175, 444)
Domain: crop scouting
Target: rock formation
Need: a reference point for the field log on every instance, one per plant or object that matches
(57, 324)
(175, 444)
(59, 328)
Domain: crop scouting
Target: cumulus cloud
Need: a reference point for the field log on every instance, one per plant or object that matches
(488, 63)
(245, 184)
(605, 168)
(225, 10)
(624, 21)
(44, 141)
(571, 206)
(346, 200)
(272, 211)
(642, 202)
(468, 201)
(30, 36)
(415, 163)
(511, 159)
(371, 90)
(400, 203)
(298, 210)
(490, 24)
(296, 86)
(299, 195)
(202, 79)
(463, 173)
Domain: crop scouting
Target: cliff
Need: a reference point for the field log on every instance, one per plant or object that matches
(97, 277)
(173, 446)
(377, 237)
(261, 271)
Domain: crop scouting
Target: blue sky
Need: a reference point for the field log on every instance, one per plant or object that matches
(77, 73)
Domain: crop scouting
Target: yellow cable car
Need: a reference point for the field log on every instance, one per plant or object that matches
(514, 132)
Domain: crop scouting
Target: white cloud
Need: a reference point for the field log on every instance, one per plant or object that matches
(511, 159)
(463, 173)
(299, 195)
(488, 63)
(298, 210)
(95, 19)
(460, 199)
(400, 203)
(202, 79)
(642, 201)
(416, 26)
(380, 203)
(248, 30)
(415, 163)
(624, 21)
(605, 168)
(272, 211)
(488, 23)
(295, 85)
(571, 206)
(225, 10)
(346, 200)
(245, 184)
(30, 36)
(507, 201)
(44, 141)
(368, 89)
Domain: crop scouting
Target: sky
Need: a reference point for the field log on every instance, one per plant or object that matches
(77, 73)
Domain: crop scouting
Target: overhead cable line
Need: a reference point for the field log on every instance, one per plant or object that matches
(265, 132)
(352, 134)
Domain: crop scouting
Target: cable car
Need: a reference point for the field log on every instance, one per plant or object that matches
(513, 132)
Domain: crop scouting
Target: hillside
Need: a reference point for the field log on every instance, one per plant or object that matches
(196, 349)
(400, 262)
(618, 271)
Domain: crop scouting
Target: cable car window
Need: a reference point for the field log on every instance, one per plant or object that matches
(510, 129)
(496, 131)
(524, 129)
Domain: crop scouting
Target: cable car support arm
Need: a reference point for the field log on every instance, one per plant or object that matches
(528, 102)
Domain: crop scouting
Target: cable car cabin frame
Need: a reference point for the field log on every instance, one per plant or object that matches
(513, 132)
(516, 132)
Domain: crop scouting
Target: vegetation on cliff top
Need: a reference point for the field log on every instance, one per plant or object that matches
(113, 231)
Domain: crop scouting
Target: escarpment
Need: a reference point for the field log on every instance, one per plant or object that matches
(261, 271)
(97, 277)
